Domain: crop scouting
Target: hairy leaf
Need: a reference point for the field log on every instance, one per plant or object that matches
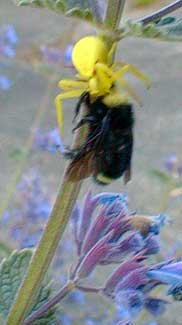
(12, 271)
(84, 9)
(168, 28)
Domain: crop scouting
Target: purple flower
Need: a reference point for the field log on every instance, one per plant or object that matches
(93, 257)
(123, 270)
(48, 141)
(8, 40)
(33, 205)
(52, 54)
(106, 232)
(170, 162)
(9, 34)
(4, 83)
(131, 303)
(173, 165)
(68, 55)
(151, 245)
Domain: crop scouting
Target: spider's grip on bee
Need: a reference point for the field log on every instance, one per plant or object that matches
(107, 150)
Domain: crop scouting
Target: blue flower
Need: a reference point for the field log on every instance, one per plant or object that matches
(4, 83)
(48, 141)
(52, 54)
(9, 34)
(68, 54)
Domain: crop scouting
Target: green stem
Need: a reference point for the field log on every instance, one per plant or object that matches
(59, 217)
(45, 251)
(113, 14)
(112, 20)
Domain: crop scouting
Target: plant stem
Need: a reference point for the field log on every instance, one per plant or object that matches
(113, 14)
(53, 232)
(161, 13)
(60, 215)
(52, 302)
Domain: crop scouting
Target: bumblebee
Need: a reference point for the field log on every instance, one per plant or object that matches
(107, 151)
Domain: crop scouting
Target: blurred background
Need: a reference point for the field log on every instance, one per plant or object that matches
(35, 53)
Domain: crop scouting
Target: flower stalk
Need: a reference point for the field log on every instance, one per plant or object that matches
(59, 217)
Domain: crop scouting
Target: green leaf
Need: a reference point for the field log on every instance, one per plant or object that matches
(167, 28)
(12, 271)
(76, 8)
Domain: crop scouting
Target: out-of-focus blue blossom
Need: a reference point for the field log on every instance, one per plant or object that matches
(65, 320)
(33, 206)
(8, 34)
(78, 297)
(5, 83)
(48, 141)
(8, 41)
(68, 55)
(56, 55)
(91, 322)
(173, 165)
(52, 54)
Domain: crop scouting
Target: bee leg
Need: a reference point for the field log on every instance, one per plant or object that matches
(87, 119)
(70, 153)
(84, 99)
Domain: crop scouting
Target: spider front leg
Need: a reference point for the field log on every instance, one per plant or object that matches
(58, 103)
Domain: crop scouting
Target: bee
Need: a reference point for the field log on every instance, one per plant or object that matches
(107, 150)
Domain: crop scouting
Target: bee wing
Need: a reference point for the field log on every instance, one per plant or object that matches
(82, 167)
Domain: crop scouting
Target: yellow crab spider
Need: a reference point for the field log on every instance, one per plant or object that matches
(96, 75)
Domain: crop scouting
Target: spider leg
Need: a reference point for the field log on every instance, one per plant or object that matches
(130, 91)
(111, 52)
(69, 84)
(58, 103)
(131, 68)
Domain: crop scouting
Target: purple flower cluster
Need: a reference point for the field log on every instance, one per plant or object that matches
(33, 205)
(48, 141)
(55, 55)
(106, 233)
(173, 165)
(8, 41)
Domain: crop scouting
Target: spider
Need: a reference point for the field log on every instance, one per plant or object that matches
(96, 75)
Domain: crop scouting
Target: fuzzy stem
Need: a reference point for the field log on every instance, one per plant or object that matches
(49, 304)
(60, 215)
(161, 13)
(113, 14)
(45, 251)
